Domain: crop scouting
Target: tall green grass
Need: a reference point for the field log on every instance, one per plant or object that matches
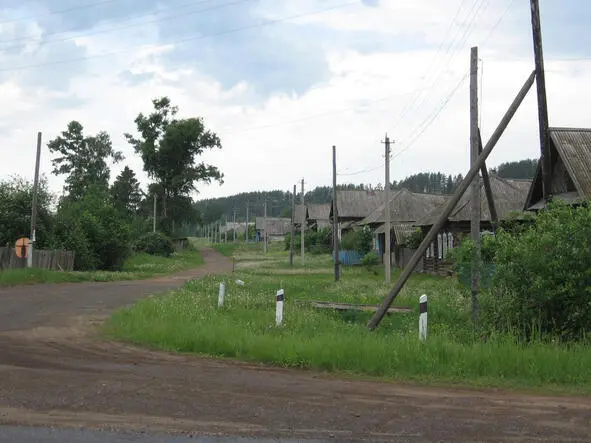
(138, 266)
(188, 320)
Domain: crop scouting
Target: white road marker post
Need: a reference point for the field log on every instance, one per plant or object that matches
(221, 295)
(279, 307)
(423, 317)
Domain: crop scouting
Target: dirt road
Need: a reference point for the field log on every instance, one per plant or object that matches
(54, 372)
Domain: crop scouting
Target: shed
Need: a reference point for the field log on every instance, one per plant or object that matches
(570, 157)
(319, 215)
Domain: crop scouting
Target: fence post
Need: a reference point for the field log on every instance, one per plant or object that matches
(279, 307)
(423, 317)
(221, 295)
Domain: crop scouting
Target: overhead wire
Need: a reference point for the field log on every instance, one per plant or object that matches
(184, 40)
(60, 11)
(467, 31)
(118, 28)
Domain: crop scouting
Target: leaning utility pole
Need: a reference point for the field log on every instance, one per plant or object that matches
(265, 227)
(303, 222)
(335, 217)
(34, 205)
(542, 101)
(291, 240)
(451, 204)
(387, 240)
(475, 194)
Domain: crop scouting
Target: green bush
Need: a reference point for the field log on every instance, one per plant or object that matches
(98, 234)
(543, 276)
(360, 240)
(414, 240)
(315, 242)
(370, 259)
(155, 243)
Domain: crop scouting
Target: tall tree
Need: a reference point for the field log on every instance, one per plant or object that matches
(126, 191)
(85, 160)
(169, 148)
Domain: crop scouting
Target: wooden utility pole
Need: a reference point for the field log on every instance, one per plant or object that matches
(265, 227)
(234, 230)
(34, 204)
(226, 229)
(542, 101)
(451, 204)
(303, 221)
(335, 217)
(247, 221)
(475, 195)
(291, 239)
(387, 231)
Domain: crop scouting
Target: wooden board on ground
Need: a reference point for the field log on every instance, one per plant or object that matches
(355, 307)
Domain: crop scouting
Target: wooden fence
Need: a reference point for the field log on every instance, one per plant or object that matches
(53, 260)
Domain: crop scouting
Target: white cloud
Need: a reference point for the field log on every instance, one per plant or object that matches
(273, 144)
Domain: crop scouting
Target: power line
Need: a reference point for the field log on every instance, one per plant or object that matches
(118, 28)
(467, 31)
(434, 116)
(60, 11)
(186, 39)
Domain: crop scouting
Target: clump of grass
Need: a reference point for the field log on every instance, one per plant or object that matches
(138, 266)
(188, 320)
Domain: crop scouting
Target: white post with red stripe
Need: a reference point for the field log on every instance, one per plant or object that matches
(279, 307)
(423, 317)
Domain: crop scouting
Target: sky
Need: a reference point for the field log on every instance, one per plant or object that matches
(282, 82)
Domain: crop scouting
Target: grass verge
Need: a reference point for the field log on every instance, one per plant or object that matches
(188, 320)
(138, 266)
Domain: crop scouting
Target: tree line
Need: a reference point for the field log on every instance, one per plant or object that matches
(100, 221)
(279, 202)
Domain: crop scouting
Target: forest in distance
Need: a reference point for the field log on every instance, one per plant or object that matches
(279, 202)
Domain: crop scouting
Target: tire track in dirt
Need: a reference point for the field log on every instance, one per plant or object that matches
(55, 372)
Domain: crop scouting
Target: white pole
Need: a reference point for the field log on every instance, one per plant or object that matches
(221, 295)
(423, 317)
(279, 307)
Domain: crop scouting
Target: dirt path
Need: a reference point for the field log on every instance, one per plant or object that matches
(53, 372)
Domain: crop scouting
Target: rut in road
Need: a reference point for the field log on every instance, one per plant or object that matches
(54, 371)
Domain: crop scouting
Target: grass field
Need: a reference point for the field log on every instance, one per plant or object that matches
(138, 266)
(188, 320)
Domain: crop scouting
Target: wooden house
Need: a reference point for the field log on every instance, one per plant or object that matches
(275, 228)
(508, 195)
(354, 206)
(406, 208)
(570, 157)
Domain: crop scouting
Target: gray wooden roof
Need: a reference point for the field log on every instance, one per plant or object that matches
(509, 195)
(301, 213)
(275, 226)
(319, 211)
(357, 204)
(572, 148)
(405, 206)
(401, 231)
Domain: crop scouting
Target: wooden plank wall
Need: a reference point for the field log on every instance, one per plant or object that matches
(57, 260)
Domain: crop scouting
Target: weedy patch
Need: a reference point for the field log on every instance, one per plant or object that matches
(189, 320)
